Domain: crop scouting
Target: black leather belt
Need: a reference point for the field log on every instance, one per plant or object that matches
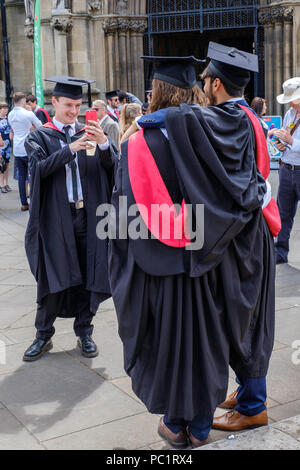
(291, 167)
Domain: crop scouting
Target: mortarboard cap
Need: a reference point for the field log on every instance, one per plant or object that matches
(178, 71)
(111, 94)
(231, 65)
(70, 87)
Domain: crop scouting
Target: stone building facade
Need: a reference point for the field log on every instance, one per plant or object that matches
(103, 40)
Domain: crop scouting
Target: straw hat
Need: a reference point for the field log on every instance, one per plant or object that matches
(291, 91)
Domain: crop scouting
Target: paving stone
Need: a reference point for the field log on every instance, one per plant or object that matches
(264, 438)
(130, 433)
(15, 303)
(14, 436)
(110, 351)
(20, 278)
(8, 261)
(62, 397)
(283, 377)
(287, 410)
(290, 426)
(124, 384)
(14, 358)
(283, 331)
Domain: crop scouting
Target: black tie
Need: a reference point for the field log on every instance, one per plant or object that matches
(72, 165)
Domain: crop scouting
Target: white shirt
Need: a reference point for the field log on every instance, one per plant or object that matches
(21, 121)
(69, 185)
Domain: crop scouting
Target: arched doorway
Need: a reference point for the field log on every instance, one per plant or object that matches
(185, 27)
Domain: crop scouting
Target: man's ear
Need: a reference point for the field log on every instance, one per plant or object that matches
(217, 84)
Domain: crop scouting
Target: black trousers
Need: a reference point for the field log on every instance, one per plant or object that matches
(72, 302)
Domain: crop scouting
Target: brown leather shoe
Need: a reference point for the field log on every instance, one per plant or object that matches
(195, 442)
(235, 421)
(178, 440)
(230, 402)
(24, 208)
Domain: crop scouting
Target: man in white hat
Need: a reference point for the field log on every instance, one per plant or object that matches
(289, 173)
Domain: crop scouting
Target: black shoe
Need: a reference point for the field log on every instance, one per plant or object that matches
(37, 349)
(280, 260)
(88, 347)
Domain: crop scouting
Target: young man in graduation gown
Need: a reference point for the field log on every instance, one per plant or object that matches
(67, 259)
(187, 312)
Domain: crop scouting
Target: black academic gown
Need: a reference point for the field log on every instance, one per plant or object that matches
(49, 240)
(185, 316)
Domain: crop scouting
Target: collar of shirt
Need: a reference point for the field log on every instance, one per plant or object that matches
(61, 125)
(232, 100)
(111, 110)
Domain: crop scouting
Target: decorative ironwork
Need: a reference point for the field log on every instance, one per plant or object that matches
(167, 16)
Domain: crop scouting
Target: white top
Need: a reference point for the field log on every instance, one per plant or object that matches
(21, 121)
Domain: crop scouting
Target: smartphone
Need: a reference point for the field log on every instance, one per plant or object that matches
(91, 115)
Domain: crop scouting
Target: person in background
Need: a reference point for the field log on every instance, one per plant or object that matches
(21, 121)
(126, 97)
(5, 151)
(129, 113)
(113, 103)
(259, 105)
(109, 126)
(289, 171)
(40, 113)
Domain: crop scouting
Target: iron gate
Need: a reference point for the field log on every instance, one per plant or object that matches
(178, 16)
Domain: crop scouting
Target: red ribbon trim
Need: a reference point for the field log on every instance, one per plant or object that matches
(152, 197)
(270, 212)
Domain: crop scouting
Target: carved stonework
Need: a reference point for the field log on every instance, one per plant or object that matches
(264, 17)
(138, 26)
(276, 14)
(288, 14)
(29, 30)
(121, 7)
(123, 25)
(63, 24)
(95, 7)
(110, 26)
(29, 11)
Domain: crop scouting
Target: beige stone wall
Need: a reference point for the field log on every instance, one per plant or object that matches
(20, 49)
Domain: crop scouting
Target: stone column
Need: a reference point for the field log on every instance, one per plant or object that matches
(123, 26)
(62, 25)
(266, 19)
(110, 26)
(98, 47)
(277, 15)
(288, 43)
(138, 26)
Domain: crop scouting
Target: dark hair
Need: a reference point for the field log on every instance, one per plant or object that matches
(31, 98)
(230, 90)
(122, 95)
(165, 95)
(18, 96)
(257, 105)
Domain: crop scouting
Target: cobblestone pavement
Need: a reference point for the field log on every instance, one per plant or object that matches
(65, 401)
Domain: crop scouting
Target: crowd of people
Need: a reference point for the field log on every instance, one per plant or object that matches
(186, 310)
